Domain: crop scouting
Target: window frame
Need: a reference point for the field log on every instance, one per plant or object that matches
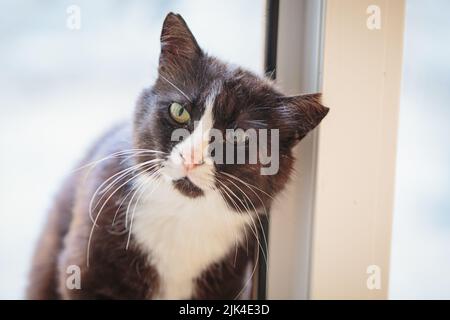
(335, 219)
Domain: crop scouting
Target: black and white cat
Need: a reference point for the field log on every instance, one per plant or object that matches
(161, 218)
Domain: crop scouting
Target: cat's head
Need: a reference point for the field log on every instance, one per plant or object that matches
(202, 115)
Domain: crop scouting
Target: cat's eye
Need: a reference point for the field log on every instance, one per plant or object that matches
(179, 113)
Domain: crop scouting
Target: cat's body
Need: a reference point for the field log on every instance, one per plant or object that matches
(140, 271)
(149, 221)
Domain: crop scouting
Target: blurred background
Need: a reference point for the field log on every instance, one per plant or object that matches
(61, 88)
(420, 256)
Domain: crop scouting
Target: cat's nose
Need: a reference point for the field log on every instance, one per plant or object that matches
(191, 166)
(191, 160)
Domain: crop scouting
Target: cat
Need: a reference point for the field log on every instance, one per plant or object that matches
(152, 217)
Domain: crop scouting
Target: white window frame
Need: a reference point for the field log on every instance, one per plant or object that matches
(334, 221)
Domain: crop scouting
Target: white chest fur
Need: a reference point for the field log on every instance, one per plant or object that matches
(184, 236)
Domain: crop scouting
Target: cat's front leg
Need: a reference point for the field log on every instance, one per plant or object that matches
(230, 279)
(112, 272)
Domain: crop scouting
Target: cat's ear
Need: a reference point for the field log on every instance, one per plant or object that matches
(306, 112)
(178, 46)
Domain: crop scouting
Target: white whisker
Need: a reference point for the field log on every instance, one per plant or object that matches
(173, 85)
(256, 214)
(136, 203)
(122, 174)
(254, 231)
(103, 206)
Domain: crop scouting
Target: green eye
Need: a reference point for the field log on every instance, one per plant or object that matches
(179, 113)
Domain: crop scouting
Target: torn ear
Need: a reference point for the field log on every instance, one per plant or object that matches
(307, 113)
(178, 46)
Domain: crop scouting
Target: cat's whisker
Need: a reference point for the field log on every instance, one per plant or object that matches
(209, 178)
(150, 166)
(127, 168)
(257, 239)
(155, 186)
(255, 233)
(262, 203)
(114, 155)
(120, 207)
(248, 184)
(126, 197)
(134, 167)
(250, 277)
(98, 215)
(92, 165)
(256, 214)
(257, 123)
(178, 89)
(248, 212)
(122, 174)
(222, 192)
(135, 191)
(140, 153)
(95, 162)
(94, 224)
(132, 197)
(104, 189)
(212, 180)
(237, 207)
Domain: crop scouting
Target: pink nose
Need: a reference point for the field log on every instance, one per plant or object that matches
(190, 166)
(191, 161)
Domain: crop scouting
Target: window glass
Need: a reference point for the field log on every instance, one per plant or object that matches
(420, 258)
